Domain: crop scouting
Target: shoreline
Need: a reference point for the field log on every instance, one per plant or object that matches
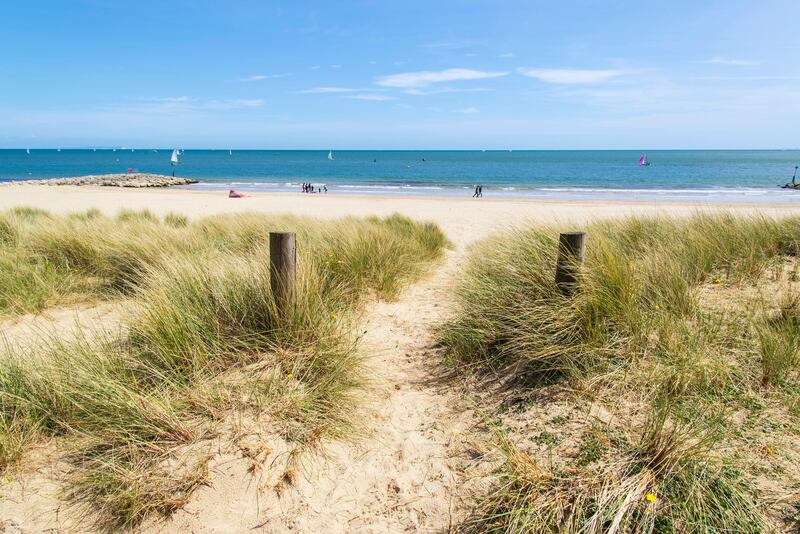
(709, 195)
(188, 190)
(463, 219)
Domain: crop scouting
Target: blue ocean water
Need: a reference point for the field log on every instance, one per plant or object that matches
(729, 175)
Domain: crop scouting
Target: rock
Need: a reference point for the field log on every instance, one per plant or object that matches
(114, 180)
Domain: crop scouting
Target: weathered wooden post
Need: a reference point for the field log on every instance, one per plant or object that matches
(571, 250)
(282, 269)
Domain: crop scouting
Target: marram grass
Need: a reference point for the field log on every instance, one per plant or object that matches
(643, 334)
(85, 255)
(203, 340)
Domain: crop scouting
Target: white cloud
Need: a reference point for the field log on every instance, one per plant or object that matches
(467, 111)
(371, 97)
(169, 99)
(719, 60)
(506, 55)
(234, 104)
(329, 90)
(425, 78)
(450, 45)
(259, 77)
(335, 66)
(315, 67)
(571, 76)
(441, 90)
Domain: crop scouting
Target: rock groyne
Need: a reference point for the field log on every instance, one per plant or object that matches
(113, 180)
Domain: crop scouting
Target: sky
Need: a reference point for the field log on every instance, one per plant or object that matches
(357, 74)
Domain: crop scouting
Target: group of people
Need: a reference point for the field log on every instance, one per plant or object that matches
(309, 188)
(478, 191)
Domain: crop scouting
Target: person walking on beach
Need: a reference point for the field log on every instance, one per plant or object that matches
(480, 191)
(475, 194)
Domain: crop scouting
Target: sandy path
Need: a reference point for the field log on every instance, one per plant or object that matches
(413, 472)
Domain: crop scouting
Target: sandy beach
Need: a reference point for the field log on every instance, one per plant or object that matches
(416, 468)
(464, 220)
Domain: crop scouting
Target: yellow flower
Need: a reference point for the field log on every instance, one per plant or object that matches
(290, 375)
(717, 280)
(333, 316)
(769, 450)
(650, 497)
(658, 307)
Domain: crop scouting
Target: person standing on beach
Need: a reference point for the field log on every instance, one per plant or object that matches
(480, 191)
(475, 194)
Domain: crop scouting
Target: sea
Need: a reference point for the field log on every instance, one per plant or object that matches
(679, 175)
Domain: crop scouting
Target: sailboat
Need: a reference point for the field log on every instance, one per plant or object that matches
(230, 152)
(330, 155)
(174, 160)
(643, 161)
(28, 151)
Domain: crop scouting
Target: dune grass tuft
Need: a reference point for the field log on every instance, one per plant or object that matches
(203, 340)
(86, 255)
(674, 317)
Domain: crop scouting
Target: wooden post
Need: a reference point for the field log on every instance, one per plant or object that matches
(282, 269)
(571, 250)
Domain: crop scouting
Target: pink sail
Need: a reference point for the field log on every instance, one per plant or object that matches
(642, 160)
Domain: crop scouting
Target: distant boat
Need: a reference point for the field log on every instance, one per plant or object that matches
(330, 155)
(58, 150)
(28, 151)
(230, 152)
(643, 161)
(175, 160)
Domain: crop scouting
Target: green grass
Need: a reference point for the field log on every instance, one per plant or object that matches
(203, 341)
(87, 256)
(673, 317)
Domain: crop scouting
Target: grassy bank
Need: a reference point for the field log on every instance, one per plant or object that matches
(661, 397)
(49, 260)
(203, 341)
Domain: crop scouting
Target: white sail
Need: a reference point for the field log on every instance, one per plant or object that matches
(230, 152)
(330, 155)
(28, 150)
(174, 159)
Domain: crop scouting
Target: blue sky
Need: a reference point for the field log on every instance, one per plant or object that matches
(400, 75)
